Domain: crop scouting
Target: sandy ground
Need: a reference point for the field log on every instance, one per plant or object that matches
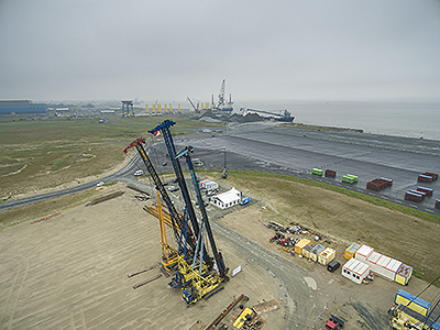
(70, 272)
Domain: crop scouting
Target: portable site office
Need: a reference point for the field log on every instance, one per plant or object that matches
(300, 245)
(355, 270)
(326, 256)
(383, 265)
(316, 251)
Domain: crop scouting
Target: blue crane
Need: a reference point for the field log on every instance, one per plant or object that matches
(164, 129)
(205, 223)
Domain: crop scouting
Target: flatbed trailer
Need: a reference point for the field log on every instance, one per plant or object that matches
(433, 175)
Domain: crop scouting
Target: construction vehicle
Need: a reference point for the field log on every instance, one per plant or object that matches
(183, 235)
(334, 323)
(202, 286)
(199, 279)
(189, 209)
(249, 320)
(412, 312)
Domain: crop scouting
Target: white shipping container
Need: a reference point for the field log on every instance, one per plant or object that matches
(363, 253)
(393, 266)
(372, 261)
(381, 270)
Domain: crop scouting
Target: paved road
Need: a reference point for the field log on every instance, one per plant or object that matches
(296, 152)
(264, 147)
(122, 175)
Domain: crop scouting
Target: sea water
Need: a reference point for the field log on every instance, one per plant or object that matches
(409, 119)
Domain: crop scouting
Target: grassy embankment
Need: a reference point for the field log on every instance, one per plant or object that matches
(42, 154)
(395, 230)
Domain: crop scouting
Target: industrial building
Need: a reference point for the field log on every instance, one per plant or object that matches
(21, 107)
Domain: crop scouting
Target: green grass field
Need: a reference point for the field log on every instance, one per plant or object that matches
(39, 154)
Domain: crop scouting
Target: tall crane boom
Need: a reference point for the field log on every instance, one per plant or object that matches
(218, 259)
(221, 95)
(164, 128)
(196, 109)
(175, 218)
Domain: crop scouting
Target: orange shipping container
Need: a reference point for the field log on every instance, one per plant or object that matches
(351, 250)
(300, 245)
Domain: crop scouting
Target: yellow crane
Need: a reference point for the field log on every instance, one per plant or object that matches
(169, 254)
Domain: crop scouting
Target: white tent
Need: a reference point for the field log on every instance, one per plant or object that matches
(227, 199)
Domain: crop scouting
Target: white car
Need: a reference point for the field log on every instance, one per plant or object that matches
(100, 184)
(138, 173)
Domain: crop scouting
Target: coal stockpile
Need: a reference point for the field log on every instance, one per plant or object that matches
(210, 116)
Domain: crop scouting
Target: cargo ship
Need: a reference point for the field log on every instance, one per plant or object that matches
(275, 115)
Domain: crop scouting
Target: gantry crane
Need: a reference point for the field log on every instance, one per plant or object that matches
(183, 235)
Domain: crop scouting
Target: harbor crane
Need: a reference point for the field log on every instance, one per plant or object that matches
(222, 105)
(196, 108)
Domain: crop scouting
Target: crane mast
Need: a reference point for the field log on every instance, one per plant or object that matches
(177, 221)
(164, 128)
(221, 95)
(218, 259)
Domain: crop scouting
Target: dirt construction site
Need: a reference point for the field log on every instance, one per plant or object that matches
(78, 268)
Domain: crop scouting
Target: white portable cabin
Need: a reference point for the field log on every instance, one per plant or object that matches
(373, 259)
(208, 184)
(227, 199)
(363, 253)
(355, 270)
(383, 265)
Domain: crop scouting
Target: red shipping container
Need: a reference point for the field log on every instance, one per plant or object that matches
(433, 175)
(425, 178)
(330, 173)
(427, 191)
(413, 197)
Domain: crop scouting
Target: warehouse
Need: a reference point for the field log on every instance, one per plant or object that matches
(20, 107)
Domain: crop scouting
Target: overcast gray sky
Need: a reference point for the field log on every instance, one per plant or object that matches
(265, 49)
